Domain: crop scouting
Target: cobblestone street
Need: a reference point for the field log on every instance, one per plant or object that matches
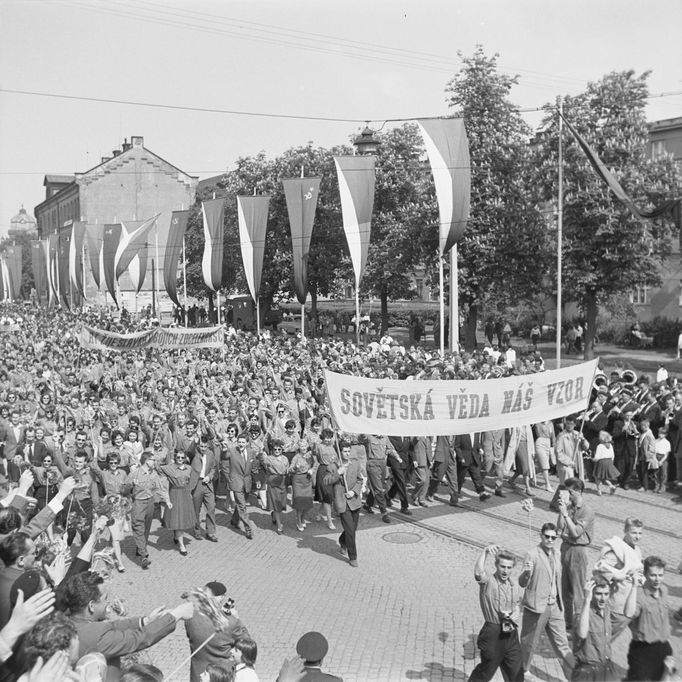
(409, 612)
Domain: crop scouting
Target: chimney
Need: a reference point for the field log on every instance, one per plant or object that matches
(106, 158)
(116, 152)
(137, 140)
(126, 145)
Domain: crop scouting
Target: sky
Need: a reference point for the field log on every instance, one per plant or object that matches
(351, 60)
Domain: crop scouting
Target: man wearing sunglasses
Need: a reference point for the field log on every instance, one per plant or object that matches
(542, 605)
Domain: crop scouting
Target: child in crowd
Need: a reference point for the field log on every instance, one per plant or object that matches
(604, 469)
(658, 468)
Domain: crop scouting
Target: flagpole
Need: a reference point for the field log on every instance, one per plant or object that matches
(302, 320)
(454, 300)
(258, 315)
(156, 249)
(357, 313)
(442, 306)
(218, 300)
(560, 219)
(184, 277)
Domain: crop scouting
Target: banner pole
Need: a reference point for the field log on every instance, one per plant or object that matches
(303, 320)
(559, 234)
(184, 277)
(258, 314)
(218, 303)
(442, 306)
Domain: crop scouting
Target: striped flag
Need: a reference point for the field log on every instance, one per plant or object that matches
(63, 265)
(38, 263)
(76, 257)
(14, 265)
(6, 280)
(137, 268)
(301, 196)
(213, 212)
(52, 273)
(112, 236)
(356, 186)
(178, 227)
(447, 147)
(134, 235)
(253, 223)
(94, 238)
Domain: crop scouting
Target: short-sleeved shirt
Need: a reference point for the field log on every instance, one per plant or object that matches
(495, 596)
(583, 517)
(596, 647)
(651, 622)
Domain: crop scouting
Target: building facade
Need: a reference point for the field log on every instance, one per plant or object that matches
(133, 184)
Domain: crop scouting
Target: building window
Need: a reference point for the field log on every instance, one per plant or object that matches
(639, 295)
(657, 149)
(420, 287)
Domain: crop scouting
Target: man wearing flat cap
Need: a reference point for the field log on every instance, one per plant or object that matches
(312, 648)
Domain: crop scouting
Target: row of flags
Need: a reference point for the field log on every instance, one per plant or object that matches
(448, 151)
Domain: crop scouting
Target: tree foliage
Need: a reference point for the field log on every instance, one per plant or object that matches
(24, 241)
(606, 249)
(505, 249)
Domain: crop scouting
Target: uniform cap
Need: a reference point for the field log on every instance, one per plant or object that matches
(313, 646)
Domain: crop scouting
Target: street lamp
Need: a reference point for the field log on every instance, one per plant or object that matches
(365, 142)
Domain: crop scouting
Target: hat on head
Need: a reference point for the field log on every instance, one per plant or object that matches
(217, 588)
(312, 646)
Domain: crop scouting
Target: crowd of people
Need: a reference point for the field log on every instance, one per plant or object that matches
(96, 444)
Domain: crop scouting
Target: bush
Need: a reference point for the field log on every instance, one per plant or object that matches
(665, 331)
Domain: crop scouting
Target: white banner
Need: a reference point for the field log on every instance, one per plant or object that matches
(440, 408)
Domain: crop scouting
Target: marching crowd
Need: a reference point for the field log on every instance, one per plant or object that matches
(96, 444)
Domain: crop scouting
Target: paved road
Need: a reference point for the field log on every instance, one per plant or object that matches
(409, 612)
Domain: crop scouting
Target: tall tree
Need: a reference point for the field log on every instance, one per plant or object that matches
(505, 249)
(606, 249)
(404, 223)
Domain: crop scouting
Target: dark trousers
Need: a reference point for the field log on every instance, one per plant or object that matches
(575, 564)
(349, 521)
(240, 512)
(141, 517)
(646, 661)
(474, 470)
(498, 651)
(399, 489)
(376, 473)
(203, 495)
(449, 470)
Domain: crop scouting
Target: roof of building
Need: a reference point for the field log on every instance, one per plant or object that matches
(59, 179)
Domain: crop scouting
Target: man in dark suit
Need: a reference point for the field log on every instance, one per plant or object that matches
(201, 483)
(237, 468)
(399, 465)
(85, 597)
(444, 464)
(31, 450)
(199, 627)
(469, 450)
